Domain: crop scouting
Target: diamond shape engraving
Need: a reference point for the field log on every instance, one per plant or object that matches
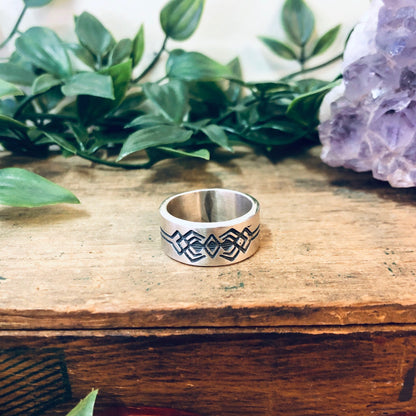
(212, 246)
(197, 247)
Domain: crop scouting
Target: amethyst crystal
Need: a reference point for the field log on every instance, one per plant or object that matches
(373, 125)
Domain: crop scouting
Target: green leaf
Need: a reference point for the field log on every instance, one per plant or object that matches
(89, 83)
(36, 3)
(179, 18)
(10, 123)
(82, 54)
(8, 107)
(200, 153)
(148, 120)
(43, 48)
(8, 89)
(99, 139)
(131, 103)
(197, 125)
(120, 74)
(152, 137)
(269, 137)
(92, 108)
(44, 83)
(206, 99)
(194, 66)
(170, 98)
(80, 134)
(217, 135)
(86, 406)
(325, 41)
(121, 51)
(303, 86)
(21, 188)
(172, 58)
(208, 92)
(285, 126)
(93, 35)
(279, 48)
(304, 108)
(298, 21)
(138, 47)
(50, 99)
(61, 142)
(234, 91)
(248, 116)
(16, 74)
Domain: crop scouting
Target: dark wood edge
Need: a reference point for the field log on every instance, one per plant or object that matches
(245, 317)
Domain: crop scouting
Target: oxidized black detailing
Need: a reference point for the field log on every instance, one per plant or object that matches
(197, 247)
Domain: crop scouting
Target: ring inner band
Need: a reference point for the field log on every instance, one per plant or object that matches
(211, 205)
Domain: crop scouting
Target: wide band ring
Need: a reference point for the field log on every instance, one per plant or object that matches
(210, 227)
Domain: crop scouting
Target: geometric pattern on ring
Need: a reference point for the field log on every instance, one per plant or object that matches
(196, 246)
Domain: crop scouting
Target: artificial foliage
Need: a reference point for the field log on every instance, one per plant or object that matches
(85, 407)
(85, 99)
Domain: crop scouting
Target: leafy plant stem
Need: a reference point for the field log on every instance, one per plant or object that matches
(49, 116)
(222, 117)
(30, 146)
(98, 160)
(314, 68)
(235, 132)
(15, 28)
(302, 58)
(154, 61)
(27, 100)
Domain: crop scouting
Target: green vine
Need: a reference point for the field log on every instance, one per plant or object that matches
(83, 97)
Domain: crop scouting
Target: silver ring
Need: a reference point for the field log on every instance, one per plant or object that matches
(210, 227)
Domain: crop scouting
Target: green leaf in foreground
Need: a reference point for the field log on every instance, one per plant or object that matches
(179, 18)
(152, 137)
(22, 188)
(86, 406)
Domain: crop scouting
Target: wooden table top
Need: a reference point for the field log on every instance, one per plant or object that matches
(337, 248)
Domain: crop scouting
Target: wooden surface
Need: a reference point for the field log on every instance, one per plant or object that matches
(240, 375)
(337, 248)
(320, 321)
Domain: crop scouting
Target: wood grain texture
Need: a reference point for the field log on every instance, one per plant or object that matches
(337, 248)
(233, 375)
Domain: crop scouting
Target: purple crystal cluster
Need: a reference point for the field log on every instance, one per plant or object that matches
(372, 126)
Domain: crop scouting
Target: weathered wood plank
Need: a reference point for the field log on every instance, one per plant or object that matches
(244, 374)
(337, 248)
